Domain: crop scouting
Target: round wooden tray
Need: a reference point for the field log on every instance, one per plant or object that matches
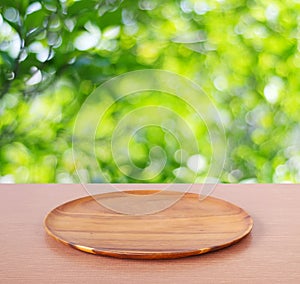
(189, 227)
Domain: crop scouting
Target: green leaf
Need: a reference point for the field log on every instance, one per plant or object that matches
(6, 60)
(81, 7)
(35, 20)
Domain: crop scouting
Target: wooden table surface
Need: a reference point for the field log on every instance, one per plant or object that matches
(270, 254)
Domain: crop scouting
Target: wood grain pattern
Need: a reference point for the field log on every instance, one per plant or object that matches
(189, 227)
(269, 254)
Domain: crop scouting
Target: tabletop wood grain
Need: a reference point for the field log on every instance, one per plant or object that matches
(270, 254)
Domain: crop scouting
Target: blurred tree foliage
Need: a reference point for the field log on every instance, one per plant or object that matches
(244, 54)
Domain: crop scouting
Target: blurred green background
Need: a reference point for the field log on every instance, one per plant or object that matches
(244, 54)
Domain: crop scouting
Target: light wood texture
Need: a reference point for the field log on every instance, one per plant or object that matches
(188, 227)
(269, 254)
